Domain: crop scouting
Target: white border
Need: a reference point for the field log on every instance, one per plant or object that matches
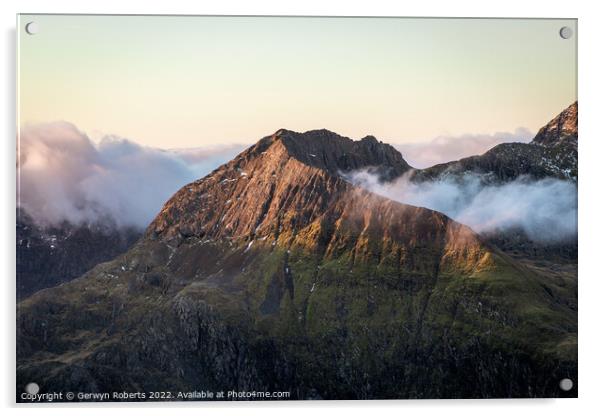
(590, 212)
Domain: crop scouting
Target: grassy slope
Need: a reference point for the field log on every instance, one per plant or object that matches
(499, 330)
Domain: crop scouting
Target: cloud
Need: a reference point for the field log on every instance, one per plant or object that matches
(546, 210)
(64, 176)
(205, 159)
(447, 148)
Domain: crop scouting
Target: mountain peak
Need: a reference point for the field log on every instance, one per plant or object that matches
(561, 129)
(334, 153)
(370, 139)
(287, 179)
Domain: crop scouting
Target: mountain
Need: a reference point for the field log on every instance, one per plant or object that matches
(284, 182)
(50, 255)
(273, 273)
(551, 153)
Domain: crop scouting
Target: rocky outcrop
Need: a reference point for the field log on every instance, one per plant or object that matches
(334, 154)
(560, 131)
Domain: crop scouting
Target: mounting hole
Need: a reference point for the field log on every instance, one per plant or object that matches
(566, 384)
(31, 28)
(32, 388)
(566, 32)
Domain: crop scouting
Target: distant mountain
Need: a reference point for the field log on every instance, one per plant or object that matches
(561, 131)
(51, 255)
(552, 153)
(273, 273)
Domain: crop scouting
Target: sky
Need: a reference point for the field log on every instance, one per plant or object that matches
(184, 82)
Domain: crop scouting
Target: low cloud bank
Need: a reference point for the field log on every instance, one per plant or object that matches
(546, 210)
(447, 148)
(64, 176)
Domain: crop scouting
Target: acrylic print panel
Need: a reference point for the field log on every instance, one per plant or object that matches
(284, 208)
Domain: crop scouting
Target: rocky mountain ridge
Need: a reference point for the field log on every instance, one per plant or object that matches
(551, 153)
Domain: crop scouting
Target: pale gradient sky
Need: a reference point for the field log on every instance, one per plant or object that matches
(193, 81)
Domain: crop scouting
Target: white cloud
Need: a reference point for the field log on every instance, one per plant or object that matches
(546, 210)
(447, 148)
(64, 176)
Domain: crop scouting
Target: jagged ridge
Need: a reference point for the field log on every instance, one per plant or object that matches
(552, 153)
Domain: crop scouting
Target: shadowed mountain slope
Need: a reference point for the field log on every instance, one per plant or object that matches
(51, 255)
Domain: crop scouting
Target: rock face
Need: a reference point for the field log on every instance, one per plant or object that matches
(48, 256)
(560, 131)
(328, 151)
(273, 273)
(552, 153)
